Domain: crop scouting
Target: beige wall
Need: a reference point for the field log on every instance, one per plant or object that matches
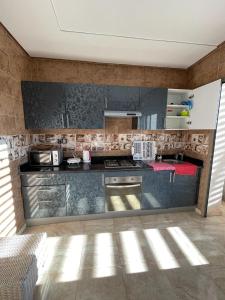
(14, 67)
(207, 69)
(85, 72)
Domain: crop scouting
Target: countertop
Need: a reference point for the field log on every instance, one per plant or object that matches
(95, 166)
(81, 167)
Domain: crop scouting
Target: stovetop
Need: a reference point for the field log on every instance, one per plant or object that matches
(119, 164)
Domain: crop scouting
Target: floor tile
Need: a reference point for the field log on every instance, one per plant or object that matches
(165, 256)
(101, 288)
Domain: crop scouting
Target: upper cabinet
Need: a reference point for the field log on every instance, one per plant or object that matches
(206, 106)
(44, 105)
(63, 105)
(85, 104)
(153, 103)
(122, 98)
(178, 114)
(202, 114)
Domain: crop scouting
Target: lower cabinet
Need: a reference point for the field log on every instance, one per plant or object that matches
(184, 191)
(164, 189)
(85, 193)
(44, 201)
(156, 189)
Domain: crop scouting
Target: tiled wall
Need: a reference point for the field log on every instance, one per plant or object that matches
(207, 69)
(14, 67)
(56, 70)
(166, 142)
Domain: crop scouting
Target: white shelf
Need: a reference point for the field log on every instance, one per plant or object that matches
(177, 106)
(177, 117)
(179, 91)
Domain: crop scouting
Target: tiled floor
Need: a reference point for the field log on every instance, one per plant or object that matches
(167, 256)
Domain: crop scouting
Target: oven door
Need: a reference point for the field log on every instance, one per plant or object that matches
(123, 193)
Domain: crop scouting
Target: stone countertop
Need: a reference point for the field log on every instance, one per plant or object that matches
(96, 166)
(81, 167)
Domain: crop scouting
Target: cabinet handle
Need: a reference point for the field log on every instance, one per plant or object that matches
(106, 102)
(170, 177)
(103, 180)
(45, 201)
(46, 190)
(119, 186)
(67, 120)
(62, 119)
(174, 175)
(40, 177)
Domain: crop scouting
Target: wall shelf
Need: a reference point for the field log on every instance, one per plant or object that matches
(176, 117)
(177, 106)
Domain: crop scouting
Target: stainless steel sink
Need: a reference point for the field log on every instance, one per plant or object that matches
(173, 161)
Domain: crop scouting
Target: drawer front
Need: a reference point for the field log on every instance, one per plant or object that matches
(44, 201)
(42, 179)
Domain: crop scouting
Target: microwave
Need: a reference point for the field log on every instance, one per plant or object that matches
(45, 157)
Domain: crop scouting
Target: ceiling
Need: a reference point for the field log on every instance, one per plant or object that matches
(174, 33)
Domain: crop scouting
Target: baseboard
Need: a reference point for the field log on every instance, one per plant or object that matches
(52, 220)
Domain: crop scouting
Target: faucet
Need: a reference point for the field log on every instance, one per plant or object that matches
(179, 156)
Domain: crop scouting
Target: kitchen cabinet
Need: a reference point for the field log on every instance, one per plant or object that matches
(203, 114)
(205, 106)
(85, 193)
(156, 189)
(44, 201)
(184, 191)
(164, 189)
(122, 98)
(42, 179)
(85, 104)
(62, 105)
(153, 108)
(44, 105)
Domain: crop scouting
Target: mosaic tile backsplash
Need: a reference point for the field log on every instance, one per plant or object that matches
(18, 145)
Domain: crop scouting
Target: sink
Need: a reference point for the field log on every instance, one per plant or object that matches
(173, 161)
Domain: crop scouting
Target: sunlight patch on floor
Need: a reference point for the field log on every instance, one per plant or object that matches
(104, 261)
(163, 255)
(132, 252)
(191, 252)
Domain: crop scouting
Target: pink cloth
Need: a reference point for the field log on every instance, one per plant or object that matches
(160, 166)
(185, 169)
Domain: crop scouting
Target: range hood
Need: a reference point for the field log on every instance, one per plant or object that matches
(128, 114)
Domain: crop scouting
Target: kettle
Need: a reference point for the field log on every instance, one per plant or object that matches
(86, 156)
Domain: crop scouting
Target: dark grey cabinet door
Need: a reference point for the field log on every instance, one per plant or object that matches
(156, 190)
(42, 179)
(44, 201)
(85, 104)
(153, 103)
(85, 193)
(44, 105)
(123, 98)
(184, 191)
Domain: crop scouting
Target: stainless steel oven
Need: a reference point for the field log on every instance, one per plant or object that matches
(123, 193)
